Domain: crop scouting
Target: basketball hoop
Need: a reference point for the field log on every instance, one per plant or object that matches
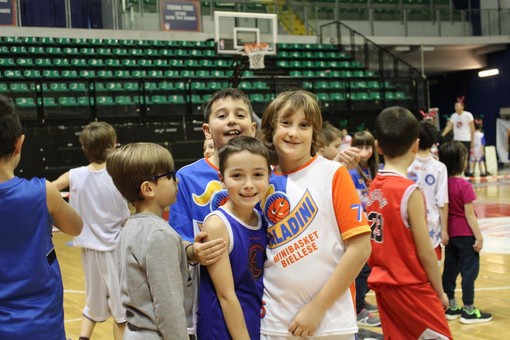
(256, 53)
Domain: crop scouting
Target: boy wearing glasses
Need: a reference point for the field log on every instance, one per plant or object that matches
(103, 209)
(154, 273)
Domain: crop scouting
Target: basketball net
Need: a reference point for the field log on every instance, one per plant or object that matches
(256, 53)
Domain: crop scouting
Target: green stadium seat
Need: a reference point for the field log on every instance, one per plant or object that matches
(176, 99)
(122, 73)
(104, 51)
(67, 101)
(138, 73)
(337, 96)
(375, 95)
(63, 41)
(257, 98)
(25, 102)
(113, 86)
(129, 62)
(322, 85)
(13, 40)
(49, 102)
(84, 101)
(57, 87)
(145, 62)
(7, 62)
(36, 50)
(187, 73)
(123, 100)
(150, 86)
(105, 100)
(155, 73)
(18, 50)
(4, 87)
(54, 50)
(87, 51)
(112, 62)
(89, 73)
(360, 96)
(180, 85)
(49, 73)
(25, 62)
(217, 73)
(60, 62)
(79, 62)
(160, 63)
(32, 74)
(105, 73)
(295, 73)
(96, 62)
(120, 51)
(77, 87)
(131, 86)
(13, 74)
(171, 73)
(151, 52)
(19, 87)
(30, 40)
(69, 74)
(323, 96)
(166, 85)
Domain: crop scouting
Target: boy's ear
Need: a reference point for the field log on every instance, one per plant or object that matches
(253, 129)
(18, 144)
(378, 148)
(222, 180)
(207, 131)
(415, 146)
(146, 189)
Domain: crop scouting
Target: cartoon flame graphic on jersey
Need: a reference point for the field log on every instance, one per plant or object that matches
(204, 198)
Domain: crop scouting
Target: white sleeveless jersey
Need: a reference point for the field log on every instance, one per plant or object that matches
(309, 213)
(101, 206)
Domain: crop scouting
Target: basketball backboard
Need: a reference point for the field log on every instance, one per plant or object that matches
(234, 29)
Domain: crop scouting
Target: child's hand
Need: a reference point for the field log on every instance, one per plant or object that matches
(207, 253)
(444, 301)
(306, 321)
(350, 157)
(444, 237)
(478, 244)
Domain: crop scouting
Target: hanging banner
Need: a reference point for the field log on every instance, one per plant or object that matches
(180, 15)
(7, 13)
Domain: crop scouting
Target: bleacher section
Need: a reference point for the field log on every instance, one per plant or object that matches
(155, 90)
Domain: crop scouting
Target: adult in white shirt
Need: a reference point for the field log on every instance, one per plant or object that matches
(463, 126)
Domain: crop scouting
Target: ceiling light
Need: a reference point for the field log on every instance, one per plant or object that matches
(488, 73)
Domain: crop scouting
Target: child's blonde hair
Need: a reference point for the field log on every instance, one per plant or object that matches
(132, 164)
(329, 134)
(286, 104)
(97, 139)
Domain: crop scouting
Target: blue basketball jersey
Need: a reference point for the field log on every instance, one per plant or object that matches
(246, 253)
(31, 291)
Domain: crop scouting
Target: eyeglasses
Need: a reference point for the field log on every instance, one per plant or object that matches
(170, 174)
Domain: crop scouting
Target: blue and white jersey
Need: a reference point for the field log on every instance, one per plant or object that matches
(200, 192)
(432, 177)
(360, 184)
(246, 254)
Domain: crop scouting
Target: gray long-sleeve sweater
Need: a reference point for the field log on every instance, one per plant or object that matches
(154, 277)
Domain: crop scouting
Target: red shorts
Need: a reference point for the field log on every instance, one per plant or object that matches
(439, 252)
(411, 312)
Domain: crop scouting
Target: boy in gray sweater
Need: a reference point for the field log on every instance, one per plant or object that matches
(154, 274)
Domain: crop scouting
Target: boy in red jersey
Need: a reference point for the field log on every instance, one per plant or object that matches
(405, 276)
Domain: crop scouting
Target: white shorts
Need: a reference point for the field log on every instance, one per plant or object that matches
(326, 337)
(102, 286)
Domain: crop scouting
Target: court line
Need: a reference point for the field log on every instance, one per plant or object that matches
(72, 320)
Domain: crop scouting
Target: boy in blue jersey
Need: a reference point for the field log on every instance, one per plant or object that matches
(231, 289)
(31, 292)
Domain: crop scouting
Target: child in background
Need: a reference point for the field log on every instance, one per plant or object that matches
(405, 276)
(31, 291)
(346, 140)
(432, 177)
(231, 289)
(331, 141)
(362, 176)
(462, 253)
(104, 211)
(154, 274)
(318, 237)
(477, 154)
(208, 147)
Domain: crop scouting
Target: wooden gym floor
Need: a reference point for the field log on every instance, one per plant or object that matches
(492, 286)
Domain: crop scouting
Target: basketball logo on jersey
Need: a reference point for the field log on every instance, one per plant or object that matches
(218, 199)
(205, 197)
(430, 179)
(287, 224)
(256, 260)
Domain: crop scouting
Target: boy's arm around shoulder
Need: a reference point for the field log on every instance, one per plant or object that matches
(65, 217)
(223, 281)
(164, 265)
(424, 250)
(62, 182)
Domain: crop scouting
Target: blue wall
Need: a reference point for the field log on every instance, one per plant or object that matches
(484, 96)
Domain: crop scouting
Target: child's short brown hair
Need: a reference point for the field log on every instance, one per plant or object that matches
(132, 164)
(329, 134)
(286, 104)
(223, 94)
(10, 127)
(242, 143)
(97, 139)
(396, 129)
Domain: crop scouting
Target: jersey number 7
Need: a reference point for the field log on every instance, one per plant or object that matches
(376, 225)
